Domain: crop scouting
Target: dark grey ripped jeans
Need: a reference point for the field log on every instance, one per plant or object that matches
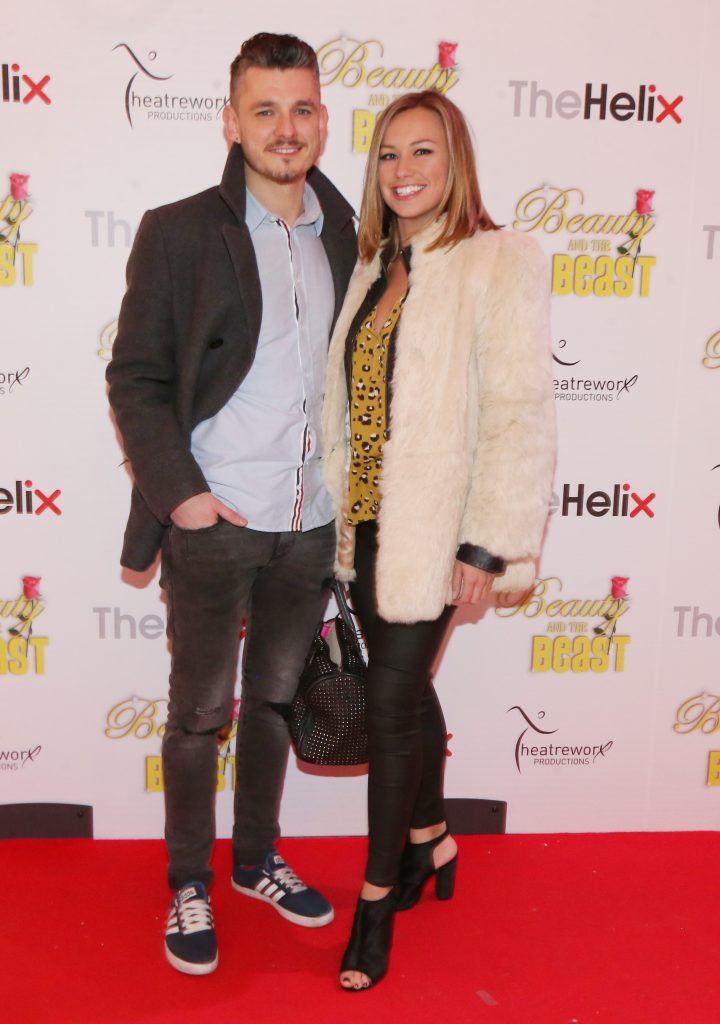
(213, 578)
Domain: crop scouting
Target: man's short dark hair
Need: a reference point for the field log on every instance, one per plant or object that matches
(269, 50)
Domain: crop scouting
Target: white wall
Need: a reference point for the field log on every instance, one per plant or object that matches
(92, 175)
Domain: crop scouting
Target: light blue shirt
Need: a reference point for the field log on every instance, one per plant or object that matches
(260, 454)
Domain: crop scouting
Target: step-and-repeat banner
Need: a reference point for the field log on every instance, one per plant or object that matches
(592, 705)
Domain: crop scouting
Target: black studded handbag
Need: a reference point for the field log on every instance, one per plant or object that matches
(327, 719)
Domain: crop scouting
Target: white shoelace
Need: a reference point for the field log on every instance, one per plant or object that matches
(191, 916)
(288, 879)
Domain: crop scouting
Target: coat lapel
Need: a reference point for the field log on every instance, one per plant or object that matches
(237, 238)
(338, 234)
(239, 244)
(335, 250)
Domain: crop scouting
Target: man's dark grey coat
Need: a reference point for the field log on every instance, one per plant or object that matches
(187, 335)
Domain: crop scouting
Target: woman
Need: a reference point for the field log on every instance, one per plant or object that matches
(440, 464)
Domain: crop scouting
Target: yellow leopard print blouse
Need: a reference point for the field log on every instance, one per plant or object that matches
(368, 414)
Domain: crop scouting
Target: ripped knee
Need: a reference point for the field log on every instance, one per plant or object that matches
(200, 721)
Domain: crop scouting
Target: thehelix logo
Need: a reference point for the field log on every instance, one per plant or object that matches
(107, 229)
(595, 103)
(621, 502)
(545, 753)
(21, 88)
(114, 625)
(21, 500)
(711, 230)
(701, 623)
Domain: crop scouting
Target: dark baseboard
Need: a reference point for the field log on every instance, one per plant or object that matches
(46, 821)
(470, 817)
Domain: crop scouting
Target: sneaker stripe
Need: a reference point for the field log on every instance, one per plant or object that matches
(190, 944)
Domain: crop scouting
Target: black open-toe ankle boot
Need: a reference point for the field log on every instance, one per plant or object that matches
(416, 866)
(370, 939)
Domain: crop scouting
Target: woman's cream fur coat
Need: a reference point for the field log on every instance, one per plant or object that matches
(471, 444)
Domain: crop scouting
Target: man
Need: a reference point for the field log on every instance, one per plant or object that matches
(216, 385)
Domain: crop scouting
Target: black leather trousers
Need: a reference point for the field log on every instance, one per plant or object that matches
(406, 729)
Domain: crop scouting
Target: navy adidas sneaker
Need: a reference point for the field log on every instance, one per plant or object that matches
(277, 884)
(190, 944)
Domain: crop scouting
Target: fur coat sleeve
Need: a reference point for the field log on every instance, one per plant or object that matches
(509, 494)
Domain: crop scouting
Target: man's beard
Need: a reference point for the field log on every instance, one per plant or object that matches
(282, 176)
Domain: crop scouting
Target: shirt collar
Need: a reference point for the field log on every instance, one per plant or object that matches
(255, 212)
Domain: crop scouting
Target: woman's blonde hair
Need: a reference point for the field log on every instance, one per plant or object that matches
(461, 202)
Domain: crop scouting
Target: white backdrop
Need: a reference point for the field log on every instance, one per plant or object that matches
(114, 110)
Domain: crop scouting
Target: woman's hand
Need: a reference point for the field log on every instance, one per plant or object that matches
(469, 585)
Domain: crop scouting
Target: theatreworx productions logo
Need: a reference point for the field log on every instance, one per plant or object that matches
(533, 746)
(22, 652)
(361, 64)
(701, 715)
(14, 760)
(142, 719)
(18, 87)
(595, 103)
(146, 99)
(603, 248)
(581, 634)
(13, 380)
(572, 388)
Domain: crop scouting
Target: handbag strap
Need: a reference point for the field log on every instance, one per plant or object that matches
(338, 592)
(350, 649)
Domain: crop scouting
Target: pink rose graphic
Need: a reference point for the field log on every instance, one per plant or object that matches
(31, 587)
(31, 593)
(643, 208)
(446, 55)
(643, 201)
(618, 593)
(17, 185)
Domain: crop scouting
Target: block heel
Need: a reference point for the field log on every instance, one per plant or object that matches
(416, 867)
(445, 880)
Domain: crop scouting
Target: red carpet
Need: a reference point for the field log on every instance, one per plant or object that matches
(542, 930)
